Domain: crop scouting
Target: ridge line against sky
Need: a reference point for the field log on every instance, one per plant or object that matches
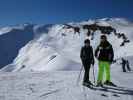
(14, 12)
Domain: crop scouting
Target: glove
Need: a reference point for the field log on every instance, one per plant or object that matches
(111, 62)
(93, 62)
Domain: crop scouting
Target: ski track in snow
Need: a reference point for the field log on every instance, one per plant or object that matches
(59, 85)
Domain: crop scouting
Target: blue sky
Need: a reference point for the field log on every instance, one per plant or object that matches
(60, 11)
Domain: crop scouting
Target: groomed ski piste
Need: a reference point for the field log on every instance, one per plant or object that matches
(48, 66)
(61, 85)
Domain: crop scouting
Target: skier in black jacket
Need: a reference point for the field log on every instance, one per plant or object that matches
(105, 54)
(87, 59)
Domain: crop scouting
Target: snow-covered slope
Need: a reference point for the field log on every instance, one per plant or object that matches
(62, 85)
(58, 47)
(13, 38)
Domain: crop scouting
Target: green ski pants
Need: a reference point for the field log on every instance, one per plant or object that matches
(104, 68)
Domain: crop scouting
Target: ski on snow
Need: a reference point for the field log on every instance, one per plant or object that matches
(102, 88)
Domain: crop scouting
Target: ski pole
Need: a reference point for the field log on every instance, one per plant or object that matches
(79, 74)
(94, 74)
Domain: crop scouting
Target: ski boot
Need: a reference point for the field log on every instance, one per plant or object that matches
(88, 84)
(99, 84)
(109, 83)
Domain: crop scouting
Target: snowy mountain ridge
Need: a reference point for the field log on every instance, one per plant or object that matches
(57, 47)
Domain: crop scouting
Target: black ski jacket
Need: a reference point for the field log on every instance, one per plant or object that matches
(86, 54)
(104, 52)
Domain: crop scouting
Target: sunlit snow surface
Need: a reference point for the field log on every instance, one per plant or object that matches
(61, 85)
(47, 68)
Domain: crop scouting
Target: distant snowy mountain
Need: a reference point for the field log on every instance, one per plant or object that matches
(13, 38)
(57, 47)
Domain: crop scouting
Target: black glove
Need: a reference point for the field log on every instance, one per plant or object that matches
(93, 62)
(111, 61)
